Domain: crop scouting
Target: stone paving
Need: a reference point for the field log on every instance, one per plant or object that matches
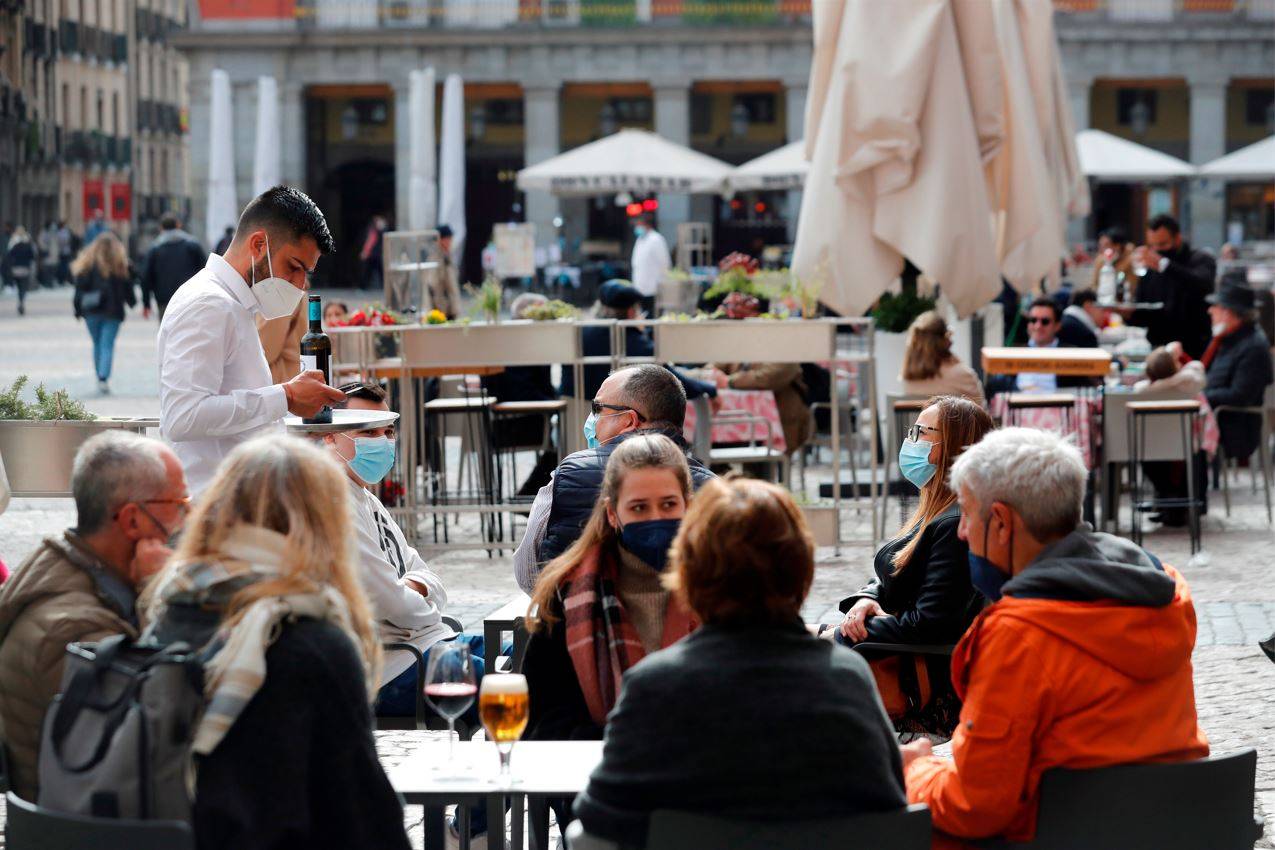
(1233, 581)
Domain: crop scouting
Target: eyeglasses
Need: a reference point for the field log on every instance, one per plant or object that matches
(597, 407)
(1040, 320)
(917, 429)
(182, 503)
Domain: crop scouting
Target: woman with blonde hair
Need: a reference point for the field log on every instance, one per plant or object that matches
(264, 579)
(929, 366)
(103, 286)
(600, 607)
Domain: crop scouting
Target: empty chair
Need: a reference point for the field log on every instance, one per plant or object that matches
(29, 827)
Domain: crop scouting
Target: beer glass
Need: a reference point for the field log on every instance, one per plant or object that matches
(503, 705)
(450, 686)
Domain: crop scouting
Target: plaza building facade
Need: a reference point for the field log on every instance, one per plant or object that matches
(727, 78)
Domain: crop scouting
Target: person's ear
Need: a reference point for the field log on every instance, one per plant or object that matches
(612, 519)
(129, 519)
(1004, 522)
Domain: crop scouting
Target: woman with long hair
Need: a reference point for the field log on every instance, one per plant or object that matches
(929, 366)
(922, 592)
(264, 578)
(103, 287)
(600, 607)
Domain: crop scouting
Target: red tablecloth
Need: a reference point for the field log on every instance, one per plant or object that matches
(758, 404)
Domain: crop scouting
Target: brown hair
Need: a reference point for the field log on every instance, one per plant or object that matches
(962, 423)
(106, 254)
(928, 347)
(744, 554)
(1161, 364)
(645, 451)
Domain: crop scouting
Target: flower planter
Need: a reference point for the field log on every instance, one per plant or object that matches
(38, 454)
(823, 521)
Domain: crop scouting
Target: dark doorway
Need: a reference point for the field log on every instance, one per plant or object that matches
(1114, 205)
(490, 198)
(353, 193)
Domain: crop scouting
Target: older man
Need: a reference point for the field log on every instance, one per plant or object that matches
(1082, 660)
(1237, 367)
(83, 584)
(639, 400)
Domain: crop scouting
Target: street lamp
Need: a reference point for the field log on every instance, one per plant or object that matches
(606, 119)
(739, 120)
(1140, 117)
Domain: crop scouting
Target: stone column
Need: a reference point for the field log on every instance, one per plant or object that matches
(795, 92)
(200, 116)
(1078, 91)
(542, 139)
(292, 135)
(673, 122)
(402, 151)
(1208, 142)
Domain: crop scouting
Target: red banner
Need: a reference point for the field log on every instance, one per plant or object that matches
(223, 9)
(121, 201)
(94, 198)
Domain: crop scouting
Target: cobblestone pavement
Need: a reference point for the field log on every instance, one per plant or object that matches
(1233, 582)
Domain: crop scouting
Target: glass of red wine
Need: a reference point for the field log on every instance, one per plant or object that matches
(451, 686)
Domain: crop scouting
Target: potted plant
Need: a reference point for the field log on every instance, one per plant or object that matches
(488, 298)
(374, 315)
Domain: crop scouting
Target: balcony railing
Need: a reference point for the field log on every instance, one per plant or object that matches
(495, 14)
(69, 36)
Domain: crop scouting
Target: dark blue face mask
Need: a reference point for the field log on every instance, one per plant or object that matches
(985, 577)
(650, 540)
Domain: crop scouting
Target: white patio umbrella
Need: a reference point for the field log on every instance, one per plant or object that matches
(782, 168)
(627, 161)
(451, 163)
(266, 161)
(422, 207)
(223, 208)
(1115, 160)
(1255, 162)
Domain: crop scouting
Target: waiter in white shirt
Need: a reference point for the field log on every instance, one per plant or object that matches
(215, 389)
(650, 261)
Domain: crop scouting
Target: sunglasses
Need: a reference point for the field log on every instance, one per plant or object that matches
(1039, 320)
(917, 429)
(597, 407)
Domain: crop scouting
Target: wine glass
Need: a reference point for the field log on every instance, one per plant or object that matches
(503, 706)
(450, 686)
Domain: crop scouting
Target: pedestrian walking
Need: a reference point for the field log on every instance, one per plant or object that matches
(103, 287)
(174, 258)
(68, 244)
(21, 254)
(48, 242)
(223, 244)
(96, 227)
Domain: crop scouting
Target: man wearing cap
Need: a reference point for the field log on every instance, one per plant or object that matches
(1237, 367)
(444, 288)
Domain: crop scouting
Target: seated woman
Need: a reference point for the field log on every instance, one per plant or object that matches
(744, 562)
(265, 570)
(929, 366)
(922, 592)
(608, 583)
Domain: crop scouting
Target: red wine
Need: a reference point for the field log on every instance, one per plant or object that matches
(316, 353)
(451, 698)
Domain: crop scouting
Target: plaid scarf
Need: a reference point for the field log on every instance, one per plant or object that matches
(601, 640)
(238, 669)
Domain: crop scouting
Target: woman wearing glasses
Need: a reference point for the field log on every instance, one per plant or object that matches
(921, 593)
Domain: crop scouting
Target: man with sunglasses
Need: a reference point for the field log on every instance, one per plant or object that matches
(1044, 320)
(83, 584)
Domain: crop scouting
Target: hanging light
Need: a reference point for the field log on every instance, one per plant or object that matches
(650, 205)
(1140, 117)
(606, 119)
(478, 120)
(739, 120)
(623, 199)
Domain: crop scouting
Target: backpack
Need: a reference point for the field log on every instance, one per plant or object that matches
(116, 740)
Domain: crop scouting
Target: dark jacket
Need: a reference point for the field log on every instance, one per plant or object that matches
(762, 722)
(576, 485)
(271, 782)
(520, 383)
(116, 292)
(20, 255)
(1182, 287)
(172, 260)
(931, 600)
(1238, 376)
(596, 342)
(1074, 333)
(558, 709)
(1009, 383)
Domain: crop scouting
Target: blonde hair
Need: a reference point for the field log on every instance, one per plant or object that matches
(291, 487)
(928, 347)
(106, 254)
(645, 451)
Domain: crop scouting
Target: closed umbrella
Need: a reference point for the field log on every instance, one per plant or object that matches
(422, 205)
(451, 193)
(627, 161)
(265, 163)
(223, 208)
(1255, 162)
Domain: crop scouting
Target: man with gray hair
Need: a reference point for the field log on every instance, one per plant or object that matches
(83, 584)
(1082, 660)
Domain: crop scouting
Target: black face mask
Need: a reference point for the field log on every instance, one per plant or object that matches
(650, 540)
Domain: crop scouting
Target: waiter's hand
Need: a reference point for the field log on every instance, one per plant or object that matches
(307, 394)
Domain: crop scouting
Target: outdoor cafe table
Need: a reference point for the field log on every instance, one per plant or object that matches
(758, 404)
(539, 768)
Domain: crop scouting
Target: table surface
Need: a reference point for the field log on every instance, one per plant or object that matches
(538, 767)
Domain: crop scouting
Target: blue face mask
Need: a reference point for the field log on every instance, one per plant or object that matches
(650, 540)
(914, 462)
(985, 577)
(639, 231)
(373, 458)
(591, 431)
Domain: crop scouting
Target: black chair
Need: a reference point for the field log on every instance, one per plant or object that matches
(29, 827)
(421, 719)
(904, 829)
(1184, 805)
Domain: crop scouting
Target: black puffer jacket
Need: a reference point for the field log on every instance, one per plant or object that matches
(579, 479)
(172, 260)
(1238, 376)
(115, 293)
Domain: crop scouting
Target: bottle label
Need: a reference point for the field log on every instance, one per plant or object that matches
(316, 310)
(309, 362)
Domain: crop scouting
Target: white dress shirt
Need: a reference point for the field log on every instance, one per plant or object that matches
(527, 555)
(386, 562)
(215, 390)
(650, 262)
(1038, 382)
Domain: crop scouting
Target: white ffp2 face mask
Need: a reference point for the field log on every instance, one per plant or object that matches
(275, 296)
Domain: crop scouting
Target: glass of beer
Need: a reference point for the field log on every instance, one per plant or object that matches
(503, 706)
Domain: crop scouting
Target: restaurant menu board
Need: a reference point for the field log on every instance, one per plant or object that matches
(1092, 362)
(515, 250)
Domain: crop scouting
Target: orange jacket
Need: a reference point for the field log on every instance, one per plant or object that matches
(1049, 683)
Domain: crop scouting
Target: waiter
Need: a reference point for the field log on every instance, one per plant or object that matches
(650, 262)
(215, 389)
(1180, 278)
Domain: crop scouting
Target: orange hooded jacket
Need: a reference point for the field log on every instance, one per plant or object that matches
(1085, 662)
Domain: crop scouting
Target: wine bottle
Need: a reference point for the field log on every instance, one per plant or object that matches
(316, 353)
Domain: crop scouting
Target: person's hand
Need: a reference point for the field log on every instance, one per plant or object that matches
(721, 379)
(146, 312)
(855, 625)
(919, 748)
(419, 586)
(1150, 257)
(1174, 348)
(149, 557)
(307, 394)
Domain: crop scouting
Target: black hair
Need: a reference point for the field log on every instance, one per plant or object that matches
(1046, 301)
(168, 221)
(1081, 297)
(1116, 235)
(1166, 222)
(365, 390)
(656, 394)
(283, 209)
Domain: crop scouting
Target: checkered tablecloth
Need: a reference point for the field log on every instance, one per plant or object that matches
(758, 404)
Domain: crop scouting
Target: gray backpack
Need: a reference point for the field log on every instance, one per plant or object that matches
(116, 740)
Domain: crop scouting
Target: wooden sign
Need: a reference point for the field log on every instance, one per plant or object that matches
(1089, 362)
